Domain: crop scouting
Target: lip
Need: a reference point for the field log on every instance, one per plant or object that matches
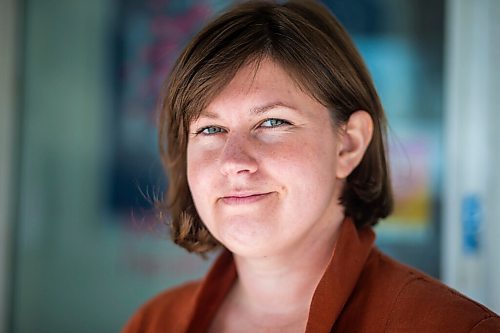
(244, 198)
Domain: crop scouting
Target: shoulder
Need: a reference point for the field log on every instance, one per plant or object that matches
(407, 300)
(424, 302)
(171, 307)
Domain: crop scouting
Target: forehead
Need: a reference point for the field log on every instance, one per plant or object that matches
(259, 87)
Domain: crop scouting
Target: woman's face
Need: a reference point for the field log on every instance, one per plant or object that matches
(261, 165)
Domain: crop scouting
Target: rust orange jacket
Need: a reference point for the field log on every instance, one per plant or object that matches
(362, 290)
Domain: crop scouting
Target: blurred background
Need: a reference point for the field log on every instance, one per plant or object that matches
(80, 248)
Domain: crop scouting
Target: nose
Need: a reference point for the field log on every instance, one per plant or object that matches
(238, 156)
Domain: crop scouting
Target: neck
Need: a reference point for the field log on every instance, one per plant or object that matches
(283, 285)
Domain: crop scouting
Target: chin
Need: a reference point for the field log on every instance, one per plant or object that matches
(251, 251)
(247, 242)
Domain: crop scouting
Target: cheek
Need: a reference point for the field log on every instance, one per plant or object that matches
(306, 168)
(310, 158)
(200, 168)
(194, 170)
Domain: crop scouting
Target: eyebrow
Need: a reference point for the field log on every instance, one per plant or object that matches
(256, 110)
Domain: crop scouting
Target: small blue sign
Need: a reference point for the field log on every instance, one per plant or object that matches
(471, 223)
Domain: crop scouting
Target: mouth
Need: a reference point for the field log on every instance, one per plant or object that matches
(242, 199)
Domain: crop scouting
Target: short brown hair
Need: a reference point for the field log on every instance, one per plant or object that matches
(307, 41)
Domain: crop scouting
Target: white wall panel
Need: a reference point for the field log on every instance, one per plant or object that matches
(473, 147)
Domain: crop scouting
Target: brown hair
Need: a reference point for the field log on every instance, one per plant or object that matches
(306, 40)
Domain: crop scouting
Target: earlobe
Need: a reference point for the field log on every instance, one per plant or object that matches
(354, 140)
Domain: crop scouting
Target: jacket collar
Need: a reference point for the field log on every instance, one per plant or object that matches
(340, 278)
(351, 252)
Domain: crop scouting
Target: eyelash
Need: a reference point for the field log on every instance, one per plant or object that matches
(220, 129)
(283, 122)
(203, 129)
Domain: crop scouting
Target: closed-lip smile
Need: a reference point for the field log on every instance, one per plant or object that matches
(244, 198)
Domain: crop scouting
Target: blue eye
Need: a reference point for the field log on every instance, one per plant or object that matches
(273, 122)
(209, 130)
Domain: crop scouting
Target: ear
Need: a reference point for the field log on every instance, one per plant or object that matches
(354, 138)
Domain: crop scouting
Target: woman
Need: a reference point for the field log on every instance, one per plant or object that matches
(273, 138)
